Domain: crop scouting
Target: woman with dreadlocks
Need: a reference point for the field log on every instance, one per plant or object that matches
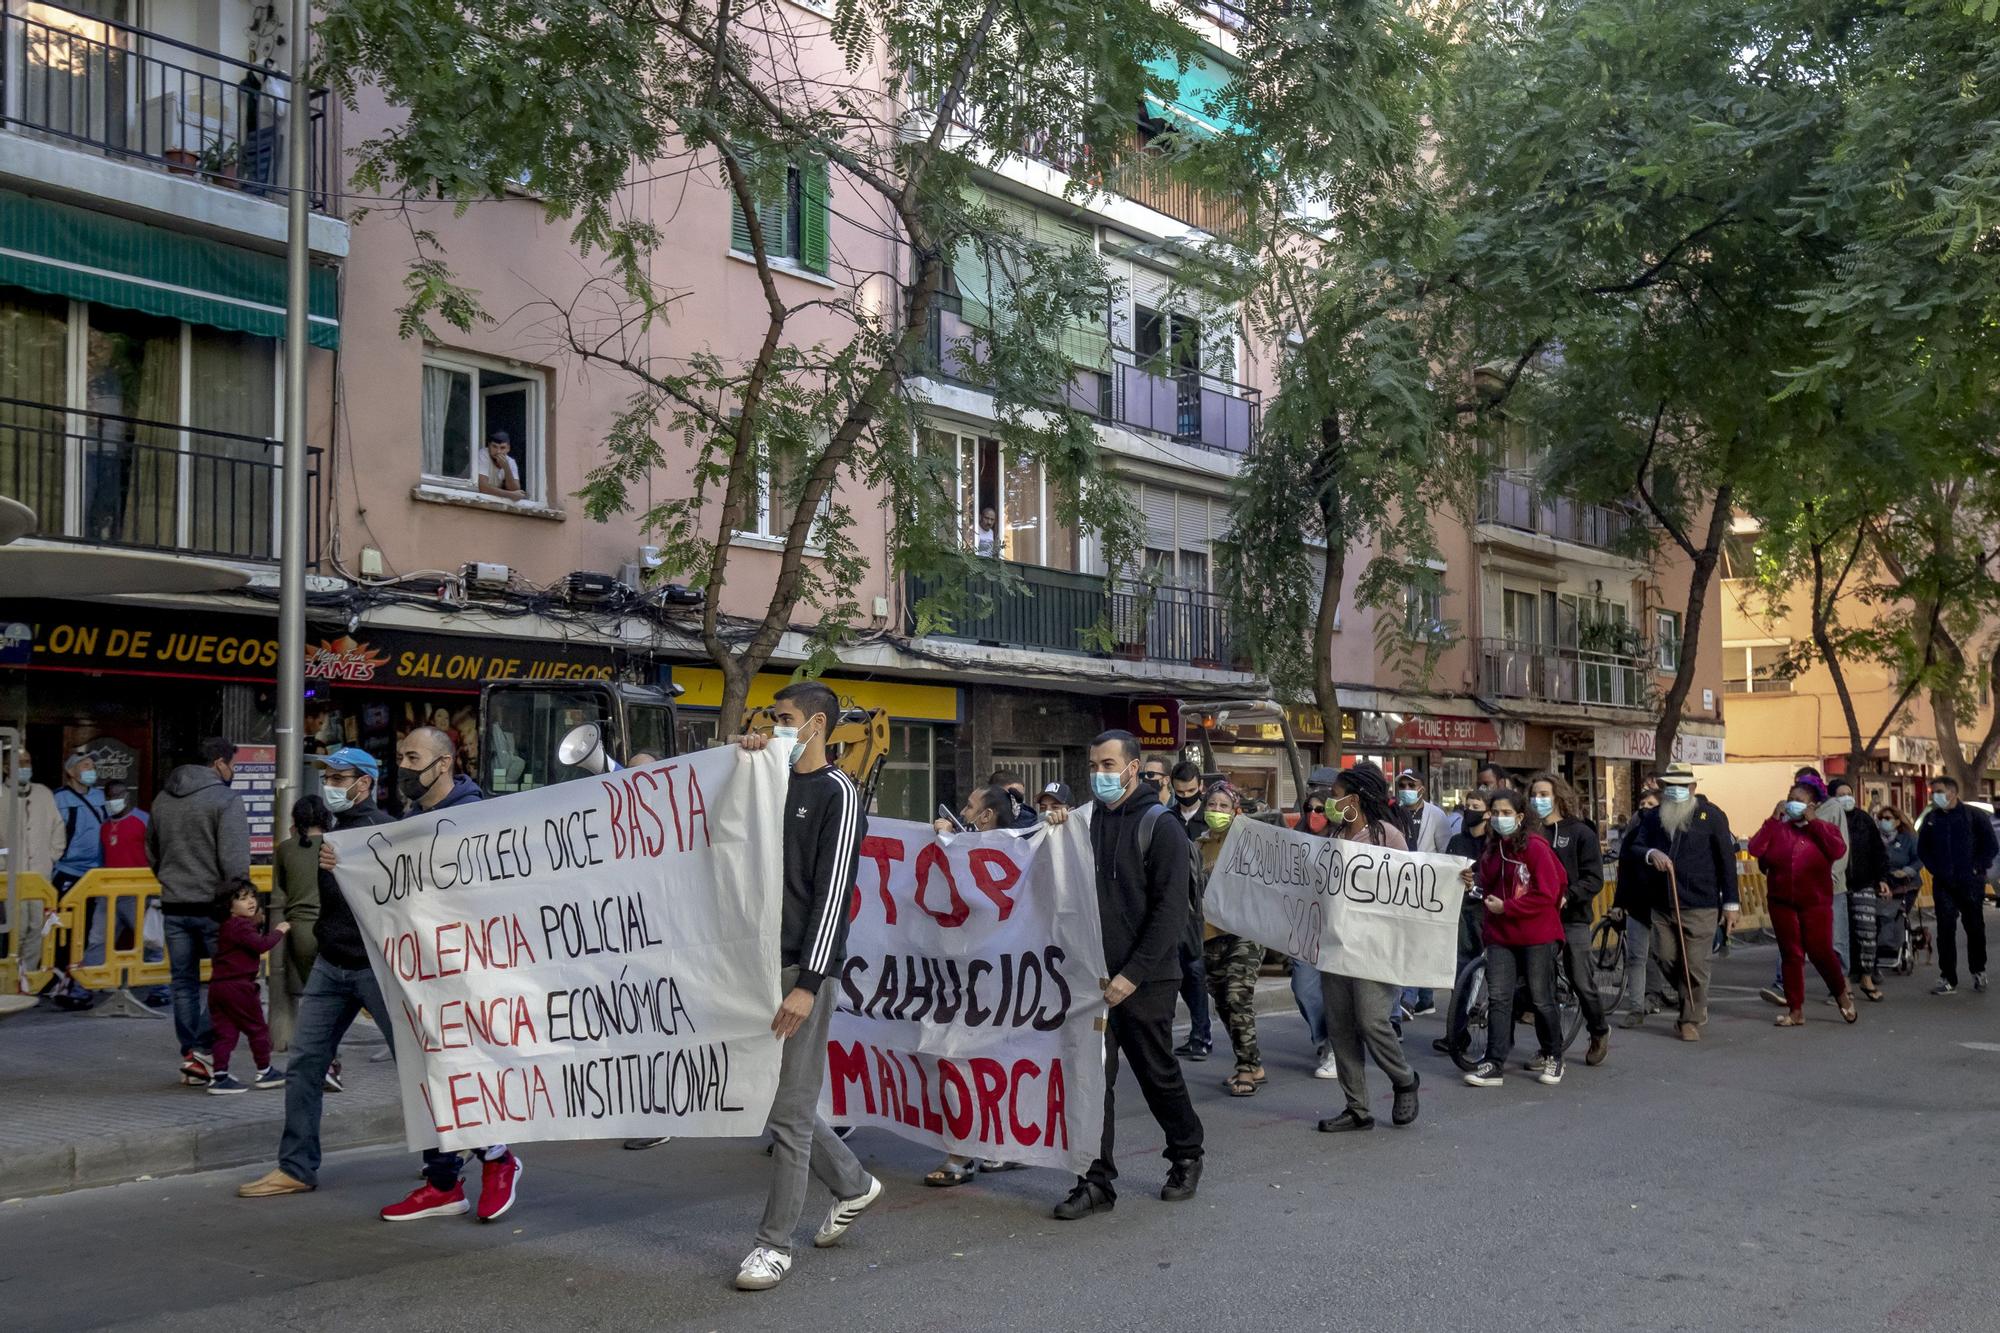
(1358, 1011)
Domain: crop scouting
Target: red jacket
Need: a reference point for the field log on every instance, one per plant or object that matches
(1528, 879)
(1798, 859)
(239, 949)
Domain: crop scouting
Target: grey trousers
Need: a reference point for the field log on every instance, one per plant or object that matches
(1357, 1014)
(1691, 942)
(1643, 981)
(803, 1146)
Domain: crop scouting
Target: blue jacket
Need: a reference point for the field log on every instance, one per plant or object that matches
(464, 791)
(1956, 846)
(83, 822)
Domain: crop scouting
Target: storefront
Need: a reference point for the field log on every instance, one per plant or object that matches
(1625, 757)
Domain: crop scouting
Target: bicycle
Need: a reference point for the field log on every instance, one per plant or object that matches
(1465, 1021)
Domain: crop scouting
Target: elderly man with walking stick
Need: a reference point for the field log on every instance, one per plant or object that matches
(1688, 839)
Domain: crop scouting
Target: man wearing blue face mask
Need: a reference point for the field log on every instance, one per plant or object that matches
(1425, 828)
(1689, 835)
(1956, 844)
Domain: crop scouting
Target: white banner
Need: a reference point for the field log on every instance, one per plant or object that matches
(1341, 907)
(591, 960)
(969, 1006)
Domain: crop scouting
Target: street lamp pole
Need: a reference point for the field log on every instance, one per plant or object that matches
(292, 532)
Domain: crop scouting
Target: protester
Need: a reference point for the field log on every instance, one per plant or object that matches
(1055, 796)
(1798, 852)
(1308, 992)
(1024, 815)
(1231, 961)
(1867, 885)
(822, 840)
(232, 993)
(1425, 828)
(123, 835)
(1156, 772)
(1142, 899)
(1359, 1010)
(337, 989)
(199, 844)
(1185, 784)
(1468, 842)
(1689, 835)
(1956, 844)
(1899, 849)
(1521, 883)
(295, 893)
(80, 806)
(1642, 891)
(1558, 816)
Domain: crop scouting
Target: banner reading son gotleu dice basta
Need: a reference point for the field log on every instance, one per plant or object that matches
(1345, 907)
(970, 1013)
(591, 960)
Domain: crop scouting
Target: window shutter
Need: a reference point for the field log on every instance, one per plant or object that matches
(1157, 503)
(813, 196)
(739, 229)
(1193, 518)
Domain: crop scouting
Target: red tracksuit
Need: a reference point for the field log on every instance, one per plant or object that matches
(233, 1005)
(1798, 861)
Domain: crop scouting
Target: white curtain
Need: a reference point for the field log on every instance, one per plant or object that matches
(437, 412)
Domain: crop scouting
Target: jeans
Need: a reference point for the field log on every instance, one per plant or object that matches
(1418, 997)
(1194, 994)
(1956, 904)
(1312, 1005)
(1582, 976)
(1142, 1030)
(1642, 970)
(1506, 964)
(803, 1148)
(189, 940)
(327, 1007)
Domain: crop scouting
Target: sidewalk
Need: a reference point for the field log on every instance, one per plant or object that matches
(97, 1101)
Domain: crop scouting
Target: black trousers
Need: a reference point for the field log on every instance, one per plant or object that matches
(1958, 903)
(1582, 979)
(1506, 965)
(1142, 1030)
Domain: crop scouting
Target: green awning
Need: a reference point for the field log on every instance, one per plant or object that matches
(59, 250)
(1198, 104)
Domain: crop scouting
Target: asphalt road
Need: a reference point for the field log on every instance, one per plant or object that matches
(1831, 1178)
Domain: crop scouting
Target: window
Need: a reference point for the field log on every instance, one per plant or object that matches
(466, 400)
(1667, 641)
(794, 224)
(1006, 506)
(1518, 621)
(1756, 668)
(907, 788)
(1422, 618)
(769, 512)
(1181, 528)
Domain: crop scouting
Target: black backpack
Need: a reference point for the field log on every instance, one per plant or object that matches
(1197, 879)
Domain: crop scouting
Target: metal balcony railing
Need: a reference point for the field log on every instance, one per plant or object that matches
(1515, 500)
(1052, 610)
(142, 96)
(124, 481)
(1512, 669)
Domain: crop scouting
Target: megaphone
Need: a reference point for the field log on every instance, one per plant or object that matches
(584, 748)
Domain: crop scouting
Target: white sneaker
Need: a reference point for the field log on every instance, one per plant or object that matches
(841, 1216)
(1327, 1067)
(1979, 981)
(763, 1270)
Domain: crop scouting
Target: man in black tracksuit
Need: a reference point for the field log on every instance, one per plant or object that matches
(1142, 901)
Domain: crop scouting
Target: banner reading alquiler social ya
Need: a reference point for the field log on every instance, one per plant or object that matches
(1345, 907)
(594, 959)
(970, 1013)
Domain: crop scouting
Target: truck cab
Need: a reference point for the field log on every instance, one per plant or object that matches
(523, 722)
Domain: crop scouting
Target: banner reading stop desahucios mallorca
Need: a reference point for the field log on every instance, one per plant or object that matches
(594, 959)
(1346, 907)
(969, 1005)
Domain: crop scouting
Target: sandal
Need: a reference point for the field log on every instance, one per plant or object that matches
(990, 1165)
(1846, 1003)
(950, 1174)
(1789, 1020)
(1258, 1075)
(1241, 1084)
(1872, 991)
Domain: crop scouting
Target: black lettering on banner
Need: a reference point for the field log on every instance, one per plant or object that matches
(677, 1082)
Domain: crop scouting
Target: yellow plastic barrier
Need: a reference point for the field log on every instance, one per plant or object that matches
(123, 968)
(37, 889)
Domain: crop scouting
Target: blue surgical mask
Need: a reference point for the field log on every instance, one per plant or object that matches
(88, 777)
(338, 799)
(1677, 793)
(1505, 825)
(117, 805)
(1795, 809)
(1940, 800)
(1542, 805)
(790, 734)
(1107, 787)
(1845, 800)
(1407, 797)
(1888, 827)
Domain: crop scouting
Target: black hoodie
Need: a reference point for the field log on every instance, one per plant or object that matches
(339, 935)
(1142, 900)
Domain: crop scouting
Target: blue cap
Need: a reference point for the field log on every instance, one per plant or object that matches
(351, 757)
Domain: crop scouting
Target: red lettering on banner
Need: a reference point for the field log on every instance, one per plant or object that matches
(993, 873)
(1028, 1134)
(494, 1096)
(991, 1080)
(1057, 1115)
(979, 1100)
(957, 1110)
(881, 851)
(930, 856)
(697, 809)
(845, 1065)
(614, 803)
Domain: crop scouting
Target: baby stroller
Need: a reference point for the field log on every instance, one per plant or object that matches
(1899, 938)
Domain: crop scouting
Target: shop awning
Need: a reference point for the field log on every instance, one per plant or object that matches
(59, 250)
(1197, 107)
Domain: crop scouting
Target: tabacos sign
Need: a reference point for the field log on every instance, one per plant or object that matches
(1156, 721)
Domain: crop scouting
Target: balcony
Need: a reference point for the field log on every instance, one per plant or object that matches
(144, 97)
(121, 481)
(1188, 408)
(1511, 669)
(1518, 501)
(1758, 685)
(1051, 610)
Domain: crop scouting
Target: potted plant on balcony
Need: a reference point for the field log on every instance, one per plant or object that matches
(220, 159)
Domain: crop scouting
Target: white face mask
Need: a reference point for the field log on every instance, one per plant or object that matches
(1845, 800)
(117, 805)
(798, 750)
(338, 799)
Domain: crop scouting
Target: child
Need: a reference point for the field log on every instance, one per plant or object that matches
(232, 992)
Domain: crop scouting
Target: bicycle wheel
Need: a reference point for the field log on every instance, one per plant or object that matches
(1607, 962)
(1465, 1021)
(1569, 1014)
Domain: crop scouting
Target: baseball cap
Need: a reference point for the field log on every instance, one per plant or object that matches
(1059, 790)
(351, 758)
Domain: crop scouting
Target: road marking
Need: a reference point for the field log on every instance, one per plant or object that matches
(1981, 1045)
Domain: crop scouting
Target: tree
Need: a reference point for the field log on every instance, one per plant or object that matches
(874, 119)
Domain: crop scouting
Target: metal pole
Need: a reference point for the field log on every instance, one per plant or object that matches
(17, 846)
(292, 535)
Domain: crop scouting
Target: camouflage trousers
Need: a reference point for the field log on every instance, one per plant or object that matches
(1232, 983)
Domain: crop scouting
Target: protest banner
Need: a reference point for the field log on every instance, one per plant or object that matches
(969, 1010)
(594, 959)
(1346, 907)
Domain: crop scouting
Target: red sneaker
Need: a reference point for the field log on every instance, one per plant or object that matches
(427, 1200)
(496, 1187)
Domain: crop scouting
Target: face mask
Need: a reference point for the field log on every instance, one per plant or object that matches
(1677, 793)
(117, 806)
(1107, 787)
(1406, 797)
(1505, 825)
(24, 776)
(88, 777)
(1218, 819)
(1542, 805)
(1316, 823)
(1845, 801)
(1474, 818)
(1888, 827)
(1940, 800)
(412, 783)
(1795, 809)
(338, 799)
(1188, 802)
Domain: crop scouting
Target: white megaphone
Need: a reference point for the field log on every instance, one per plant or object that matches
(584, 748)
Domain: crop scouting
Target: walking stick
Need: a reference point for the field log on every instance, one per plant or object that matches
(1680, 933)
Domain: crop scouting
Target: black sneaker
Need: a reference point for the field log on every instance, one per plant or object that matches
(1347, 1122)
(1194, 1050)
(640, 1145)
(1486, 1074)
(1182, 1180)
(223, 1084)
(1406, 1102)
(270, 1076)
(1551, 1071)
(332, 1081)
(1084, 1200)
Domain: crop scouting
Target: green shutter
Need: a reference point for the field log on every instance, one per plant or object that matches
(739, 229)
(813, 215)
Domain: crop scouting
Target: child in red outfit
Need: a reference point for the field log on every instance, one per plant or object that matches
(233, 1003)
